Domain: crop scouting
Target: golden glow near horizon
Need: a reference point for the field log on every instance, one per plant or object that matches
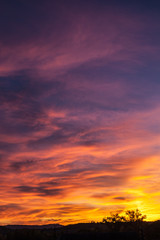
(83, 190)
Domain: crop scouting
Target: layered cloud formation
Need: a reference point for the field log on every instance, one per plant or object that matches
(79, 110)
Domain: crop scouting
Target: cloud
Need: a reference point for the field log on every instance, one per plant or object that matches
(120, 198)
(51, 41)
(39, 190)
(10, 207)
(23, 165)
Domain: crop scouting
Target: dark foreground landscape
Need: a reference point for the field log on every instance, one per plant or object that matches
(84, 231)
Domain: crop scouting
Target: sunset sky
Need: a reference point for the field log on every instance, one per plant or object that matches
(79, 110)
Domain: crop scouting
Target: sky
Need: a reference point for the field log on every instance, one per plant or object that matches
(79, 110)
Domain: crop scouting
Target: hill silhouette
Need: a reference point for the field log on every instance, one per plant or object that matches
(85, 231)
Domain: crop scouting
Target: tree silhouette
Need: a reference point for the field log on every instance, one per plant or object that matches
(130, 216)
(134, 216)
(114, 218)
